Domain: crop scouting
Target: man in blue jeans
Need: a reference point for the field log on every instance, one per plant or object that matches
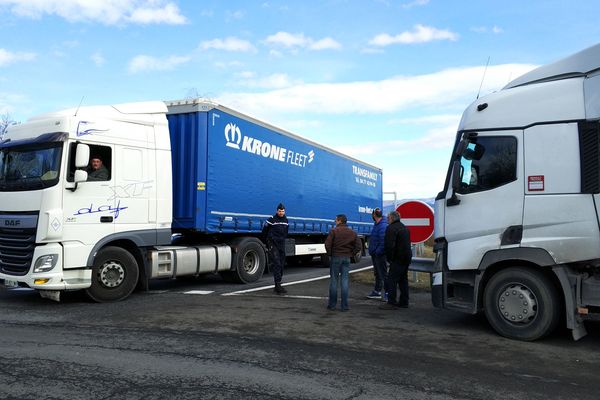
(341, 244)
(376, 250)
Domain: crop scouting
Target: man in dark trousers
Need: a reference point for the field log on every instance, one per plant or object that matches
(376, 250)
(275, 231)
(341, 244)
(399, 254)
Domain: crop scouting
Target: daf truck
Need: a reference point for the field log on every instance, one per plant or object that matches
(190, 184)
(517, 227)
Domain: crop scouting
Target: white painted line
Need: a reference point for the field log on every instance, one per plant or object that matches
(415, 221)
(199, 292)
(289, 283)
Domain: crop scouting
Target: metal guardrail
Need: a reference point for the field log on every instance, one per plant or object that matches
(420, 264)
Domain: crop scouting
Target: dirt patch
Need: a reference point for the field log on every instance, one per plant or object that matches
(418, 280)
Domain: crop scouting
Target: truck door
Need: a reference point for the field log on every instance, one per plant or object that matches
(132, 187)
(90, 209)
(487, 199)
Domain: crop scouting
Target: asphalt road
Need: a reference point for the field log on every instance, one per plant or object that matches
(195, 339)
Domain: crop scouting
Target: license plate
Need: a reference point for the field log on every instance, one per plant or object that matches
(10, 283)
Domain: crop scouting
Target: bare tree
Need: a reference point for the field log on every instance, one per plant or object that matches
(5, 122)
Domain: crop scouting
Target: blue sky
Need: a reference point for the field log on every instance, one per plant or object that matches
(382, 80)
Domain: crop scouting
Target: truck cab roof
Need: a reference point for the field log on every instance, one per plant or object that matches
(582, 63)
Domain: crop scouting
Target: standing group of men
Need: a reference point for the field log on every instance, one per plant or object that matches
(389, 243)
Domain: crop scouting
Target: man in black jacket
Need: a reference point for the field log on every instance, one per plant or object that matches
(275, 231)
(399, 254)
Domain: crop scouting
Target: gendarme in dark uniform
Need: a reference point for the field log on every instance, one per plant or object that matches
(275, 232)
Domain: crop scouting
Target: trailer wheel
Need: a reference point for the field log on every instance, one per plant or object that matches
(325, 260)
(521, 304)
(249, 260)
(114, 275)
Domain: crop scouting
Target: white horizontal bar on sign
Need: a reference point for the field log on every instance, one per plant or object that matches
(415, 221)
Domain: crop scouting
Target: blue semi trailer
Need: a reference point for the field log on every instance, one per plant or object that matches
(189, 186)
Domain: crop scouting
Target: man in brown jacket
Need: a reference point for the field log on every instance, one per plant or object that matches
(341, 244)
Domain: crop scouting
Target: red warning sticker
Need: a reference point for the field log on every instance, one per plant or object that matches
(535, 183)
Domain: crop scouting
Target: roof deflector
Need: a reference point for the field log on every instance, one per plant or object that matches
(578, 64)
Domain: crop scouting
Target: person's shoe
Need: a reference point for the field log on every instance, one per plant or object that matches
(374, 295)
(331, 308)
(345, 309)
(279, 289)
(388, 306)
(402, 305)
(384, 297)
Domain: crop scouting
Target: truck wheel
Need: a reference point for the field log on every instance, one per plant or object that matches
(114, 275)
(249, 260)
(521, 304)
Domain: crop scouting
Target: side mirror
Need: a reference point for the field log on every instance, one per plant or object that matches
(456, 169)
(82, 156)
(456, 172)
(80, 175)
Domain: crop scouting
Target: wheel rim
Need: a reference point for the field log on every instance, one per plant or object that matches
(517, 304)
(251, 262)
(111, 274)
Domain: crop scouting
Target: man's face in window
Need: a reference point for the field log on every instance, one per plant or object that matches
(96, 163)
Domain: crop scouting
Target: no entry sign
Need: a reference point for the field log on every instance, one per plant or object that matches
(418, 218)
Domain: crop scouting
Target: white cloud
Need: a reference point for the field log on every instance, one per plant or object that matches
(148, 63)
(441, 89)
(325, 44)
(229, 64)
(298, 40)
(8, 57)
(230, 43)
(108, 12)
(427, 120)
(416, 3)
(234, 15)
(169, 14)
(420, 34)
(273, 81)
(98, 59)
(484, 29)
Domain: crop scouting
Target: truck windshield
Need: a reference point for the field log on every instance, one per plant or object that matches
(29, 168)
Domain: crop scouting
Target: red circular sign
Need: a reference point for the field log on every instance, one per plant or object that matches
(418, 218)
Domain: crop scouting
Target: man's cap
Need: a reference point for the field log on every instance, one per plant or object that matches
(281, 206)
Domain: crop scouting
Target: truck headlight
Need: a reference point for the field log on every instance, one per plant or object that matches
(45, 263)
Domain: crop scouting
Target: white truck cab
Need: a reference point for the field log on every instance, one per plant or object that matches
(517, 227)
(58, 220)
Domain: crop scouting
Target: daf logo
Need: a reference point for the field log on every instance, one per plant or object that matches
(12, 222)
(233, 135)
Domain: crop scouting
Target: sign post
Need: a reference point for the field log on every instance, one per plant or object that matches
(418, 218)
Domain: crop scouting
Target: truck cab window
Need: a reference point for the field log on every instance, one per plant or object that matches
(100, 164)
(487, 163)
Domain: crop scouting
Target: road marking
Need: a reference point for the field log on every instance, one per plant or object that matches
(199, 292)
(289, 283)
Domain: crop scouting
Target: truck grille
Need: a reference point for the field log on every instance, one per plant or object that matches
(16, 250)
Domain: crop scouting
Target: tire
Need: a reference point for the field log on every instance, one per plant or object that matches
(522, 304)
(325, 261)
(114, 275)
(249, 260)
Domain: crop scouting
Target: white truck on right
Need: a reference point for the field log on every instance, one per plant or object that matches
(517, 226)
